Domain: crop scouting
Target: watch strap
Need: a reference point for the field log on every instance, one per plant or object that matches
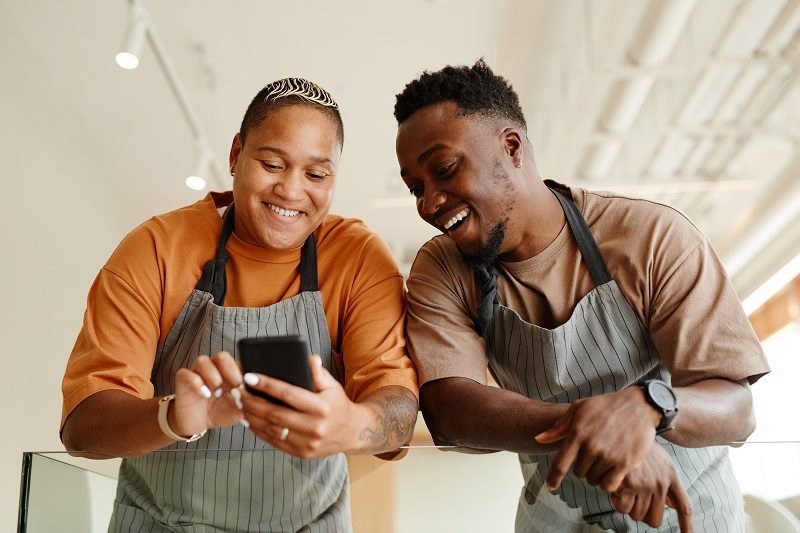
(665, 425)
(163, 423)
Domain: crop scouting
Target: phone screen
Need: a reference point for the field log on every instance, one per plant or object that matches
(284, 357)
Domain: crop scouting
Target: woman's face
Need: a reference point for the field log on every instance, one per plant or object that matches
(284, 176)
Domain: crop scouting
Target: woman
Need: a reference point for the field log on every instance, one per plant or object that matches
(265, 259)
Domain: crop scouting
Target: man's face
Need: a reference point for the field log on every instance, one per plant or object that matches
(457, 167)
(284, 176)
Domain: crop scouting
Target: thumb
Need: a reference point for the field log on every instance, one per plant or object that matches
(558, 431)
(320, 377)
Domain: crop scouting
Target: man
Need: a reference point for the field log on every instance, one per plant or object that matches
(192, 282)
(605, 320)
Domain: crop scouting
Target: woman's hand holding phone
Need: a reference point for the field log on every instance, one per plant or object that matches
(312, 424)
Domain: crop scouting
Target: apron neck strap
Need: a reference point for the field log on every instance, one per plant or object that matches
(487, 276)
(214, 279)
(309, 281)
(586, 243)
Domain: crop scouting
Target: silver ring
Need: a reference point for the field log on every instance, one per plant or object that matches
(284, 434)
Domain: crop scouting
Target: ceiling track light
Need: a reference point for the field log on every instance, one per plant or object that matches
(131, 50)
(197, 180)
(141, 27)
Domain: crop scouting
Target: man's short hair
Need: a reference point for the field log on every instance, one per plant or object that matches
(288, 92)
(475, 89)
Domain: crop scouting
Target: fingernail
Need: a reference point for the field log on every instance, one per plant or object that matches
(244, 422)
(237, 398)
(218, 392)
(205, 391)
(251, 379)
(317, 360)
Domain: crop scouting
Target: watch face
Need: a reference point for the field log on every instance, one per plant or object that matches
(662, 395)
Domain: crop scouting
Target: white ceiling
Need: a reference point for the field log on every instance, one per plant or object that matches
(694, 103)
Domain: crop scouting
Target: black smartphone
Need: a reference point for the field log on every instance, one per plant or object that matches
(283, 357)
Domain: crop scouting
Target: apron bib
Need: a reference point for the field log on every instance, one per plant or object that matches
(602, 348)
(230, 480)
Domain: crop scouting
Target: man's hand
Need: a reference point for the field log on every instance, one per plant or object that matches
(316, 424)
(603, 438)
(644, 492)
(203, 396)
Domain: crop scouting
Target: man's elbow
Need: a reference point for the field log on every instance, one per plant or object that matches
(748, 421)
(440, 427)
(443, 406)
(747, 412)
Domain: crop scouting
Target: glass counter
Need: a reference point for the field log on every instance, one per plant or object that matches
(429, 490)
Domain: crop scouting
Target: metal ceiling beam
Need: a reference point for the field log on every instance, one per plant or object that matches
(660, 29)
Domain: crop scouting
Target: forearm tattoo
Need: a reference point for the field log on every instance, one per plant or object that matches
(397, 419)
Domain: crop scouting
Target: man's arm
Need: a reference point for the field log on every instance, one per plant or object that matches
(711, 412)
(604, 437)
(462, 412)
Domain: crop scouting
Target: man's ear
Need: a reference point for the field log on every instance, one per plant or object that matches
(514, 145)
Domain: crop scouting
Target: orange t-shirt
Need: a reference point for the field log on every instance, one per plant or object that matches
(140, 291)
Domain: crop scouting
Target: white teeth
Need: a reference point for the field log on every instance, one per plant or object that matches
(460, 216)
(283, 212)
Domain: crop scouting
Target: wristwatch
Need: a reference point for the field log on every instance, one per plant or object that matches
(163, 407)
(661, 396)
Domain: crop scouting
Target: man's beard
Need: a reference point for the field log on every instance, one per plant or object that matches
(487, 255)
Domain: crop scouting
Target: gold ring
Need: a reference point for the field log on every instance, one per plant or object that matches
(284, 434)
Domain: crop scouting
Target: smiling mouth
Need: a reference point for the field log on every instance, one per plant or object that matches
(281, 211)
(456, 220)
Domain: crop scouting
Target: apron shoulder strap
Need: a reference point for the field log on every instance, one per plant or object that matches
(308, 266)
(586, 243)
(213, 279)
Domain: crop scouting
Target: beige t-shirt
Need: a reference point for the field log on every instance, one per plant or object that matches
(664, 266)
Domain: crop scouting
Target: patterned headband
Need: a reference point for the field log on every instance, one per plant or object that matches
(301, 88)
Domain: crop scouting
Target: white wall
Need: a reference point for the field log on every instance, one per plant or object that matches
(60, 222)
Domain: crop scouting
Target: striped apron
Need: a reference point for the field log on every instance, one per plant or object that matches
(229, 480)
(602, 348)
